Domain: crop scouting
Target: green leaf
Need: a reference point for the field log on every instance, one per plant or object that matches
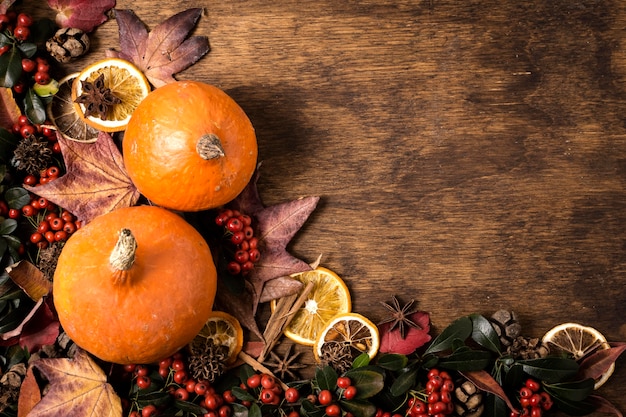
(367, 382)
(255, 411)
(8, 226)
(16, 197)
(404, 382)
(239, 410)
(10, 67)
(34, 107)
(571, 391)
(392, 361)
(494, 406)
(466, 360)
(550, 370)
(28, 49)
(358, 408)
(362, 360)
(8, 142)
(308, 409)
(460, 329)
(4, 39)
(484, 334)
(242, 394)
(190, 407)
(326, 378)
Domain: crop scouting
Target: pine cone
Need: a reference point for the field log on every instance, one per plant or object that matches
(468, 400)
(506, 326)
(207, 362)
(337, 356)
(527, 348)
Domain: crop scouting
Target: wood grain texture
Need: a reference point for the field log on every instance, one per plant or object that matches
(469, 154)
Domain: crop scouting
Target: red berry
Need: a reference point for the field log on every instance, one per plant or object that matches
(343, 382)
(254, 255)
(267, 396)
(42, 202)
(248, 232)
(28, 210)
(56, 223)
(21, 33)
(129, 367)
(448, 385)
(268, 381)
(242, 256)
(247, 266)
(237, 238)
(254, 381)
(525, 392)
(53, 171)
(181, 394)
(69, 217)
(14, 213)
(180, 376)
(190, 385)
(253, 243)
(233, 268)
(201, 388)
(30, 180)
(27, 131)
(142, 370)
(333, 410)
(325, 397)
(536, 412)
(535, 400)
(533, 385)
(433, 397)
(28, 65)
(18, 87)
(69, 227)
(42, 78)
(234, 225)
(42, 66)
(36, 237)
(149, 411)
(292, 395)
(143, 382)
(23, 120)
(225, 411)
(24, 20)
(350, 392)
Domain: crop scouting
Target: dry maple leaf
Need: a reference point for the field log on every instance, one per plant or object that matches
(96, 181)
(78, 387)
(392, 341)
(81, 14)
(166, 50)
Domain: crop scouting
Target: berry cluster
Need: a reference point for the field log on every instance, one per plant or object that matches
(240, 234)
(52, 225)
(24, 128)
(438, 396)
(533, 400)
(345, 391)
(17, 24)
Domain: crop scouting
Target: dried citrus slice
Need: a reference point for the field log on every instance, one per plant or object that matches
(122, 80)
(347, 334)
(221, 329)
(578, 341)
(329, 297)
(63, 115)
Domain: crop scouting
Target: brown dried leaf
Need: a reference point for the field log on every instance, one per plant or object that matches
(239, 305)
(279, 288)
(30, 394)
(164, 51)
(485, 382)
(96, 181)
(78, 387)
(81, 14)
(30, 279)
(9, 110)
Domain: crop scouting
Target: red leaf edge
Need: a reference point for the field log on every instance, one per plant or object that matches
(484, 381)
(598, 363)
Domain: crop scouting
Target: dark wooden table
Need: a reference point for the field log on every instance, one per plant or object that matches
(468, 154)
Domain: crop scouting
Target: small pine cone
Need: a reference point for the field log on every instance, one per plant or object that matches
(527, 348)
(67, 43)
(506, 326)
(207, 362)
(468, 400)
(32, 155)
(337, 356)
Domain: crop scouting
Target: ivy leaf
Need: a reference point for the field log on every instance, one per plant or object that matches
(485, 382)
(484, 334)
(164, 51)
(81, 14)
(460, 329)
(96, 181)
(78, 387)
(600, 361)
(414, 338)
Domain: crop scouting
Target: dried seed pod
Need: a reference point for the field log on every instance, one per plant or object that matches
(68, 43)
(468, 400)
(506, 326)
(527, 348)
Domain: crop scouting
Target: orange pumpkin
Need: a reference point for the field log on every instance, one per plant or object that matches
(134, 285)
(189, 146)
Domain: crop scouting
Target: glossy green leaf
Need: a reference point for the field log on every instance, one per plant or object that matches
(16, 197)
(404, 382)
(8, 142)
(494, 406)
(242, 395)
(460, 329)
(326, 378)
(255, 411)
(550, 370)
(362, 360)
(392, 361)
(10, 67)
(34, 107)
(308, 409)
(239, 410)
(28, 49)
(358, 408)
(570, 391)
(466, 360)
(367, 382)
(484, 334)
(8, 226)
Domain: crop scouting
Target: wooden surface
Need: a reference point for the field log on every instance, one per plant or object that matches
(468, 154)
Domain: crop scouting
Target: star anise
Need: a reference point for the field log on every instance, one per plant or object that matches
(97, 98)
(400, 315)
(286, 365)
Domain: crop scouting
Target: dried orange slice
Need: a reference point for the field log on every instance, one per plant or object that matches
(221, 329)
(329, 297)
(123, 80)
(63, 115)
(578, 341)
(348, 333)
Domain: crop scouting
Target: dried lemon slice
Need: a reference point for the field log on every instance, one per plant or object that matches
(578, 341)
(121, 80)
(328, 297)
(348, 334)
(63, 115)
(221, 329)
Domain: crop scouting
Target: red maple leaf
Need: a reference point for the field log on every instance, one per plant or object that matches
(81, 14)
(392, 341)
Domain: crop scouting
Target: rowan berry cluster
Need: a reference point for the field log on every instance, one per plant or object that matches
(437, 399)
(533, 400)
(240, 234)
(330, 401)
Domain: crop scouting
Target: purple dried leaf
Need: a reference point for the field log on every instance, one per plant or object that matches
(133, 35)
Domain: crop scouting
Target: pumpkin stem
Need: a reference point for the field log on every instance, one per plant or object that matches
(209, 146)
(123, 255)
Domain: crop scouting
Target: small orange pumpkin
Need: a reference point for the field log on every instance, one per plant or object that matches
(134, 285)
(189, 146)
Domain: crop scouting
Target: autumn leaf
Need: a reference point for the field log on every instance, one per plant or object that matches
(485, 382)
(240, 305)
(78, 387)
(9, 110)
(30, 279)
(280, 287)
(96, 181)
(414, 338)
(596, 364)
(166, 50)
(81, 14)
(30, 394)
(38, 328)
